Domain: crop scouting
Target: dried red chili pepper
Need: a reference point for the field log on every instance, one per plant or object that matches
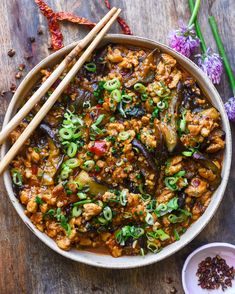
(53, 25)
(124, 26)
(56, 35)
(73, 18)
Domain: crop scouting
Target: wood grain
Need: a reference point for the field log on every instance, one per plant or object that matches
(26, 264)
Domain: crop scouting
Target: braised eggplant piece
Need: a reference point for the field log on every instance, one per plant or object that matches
(209, 164)
(147, 155)
(48, 131)
(144, 73)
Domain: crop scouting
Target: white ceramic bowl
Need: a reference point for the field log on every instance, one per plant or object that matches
(189, 278)
(126, 261)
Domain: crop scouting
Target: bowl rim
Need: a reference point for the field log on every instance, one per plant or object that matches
(125, 261)
(195, 252)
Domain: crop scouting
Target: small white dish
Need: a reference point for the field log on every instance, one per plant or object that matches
(189, 278)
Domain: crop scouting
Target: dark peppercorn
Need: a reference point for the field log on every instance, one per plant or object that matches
(28, 56)
(13, 88)
(21, 66)
(11, 52)
(173, 290)
(31, 39)
(215, 272)
(40, 31)
(169, 280)
(18, 75)
(3, 93)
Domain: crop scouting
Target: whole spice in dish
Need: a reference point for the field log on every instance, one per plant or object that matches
(11, 52)
(21, 66)
(18, 75)
(122, 23)
(13, 87)
(40, 31)
(214, 273)
(31, 39)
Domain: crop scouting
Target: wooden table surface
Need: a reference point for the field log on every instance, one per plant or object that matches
(26, 264)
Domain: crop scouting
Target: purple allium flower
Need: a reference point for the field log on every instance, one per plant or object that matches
(211, 64)
(184, 40)
(230, 108)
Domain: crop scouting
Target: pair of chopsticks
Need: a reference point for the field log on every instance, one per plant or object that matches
(96, 34)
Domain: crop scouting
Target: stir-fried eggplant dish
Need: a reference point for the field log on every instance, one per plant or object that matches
(126, 160)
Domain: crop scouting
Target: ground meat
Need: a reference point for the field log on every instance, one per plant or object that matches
(90, 210)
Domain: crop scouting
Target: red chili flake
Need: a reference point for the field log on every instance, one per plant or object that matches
(53, 25)
(99, 148)
(74, 18)
(124, 26)
(34, 169)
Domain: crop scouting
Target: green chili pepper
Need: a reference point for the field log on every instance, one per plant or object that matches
(76, 211)
(17, 177)
(112, 84)
(144, 97)
(123, 198)
(145, 197)
(149, 219)
(126, 98)
(90, 67)
(65, 174)
(88, 165)
(123, 136)
(140, 88)
(102, 220)
(170, 183)
(161, 105)
(72, 162)
(81, 195)
(152, 247)
(176, 219)
(72, 149)
(116, 95)
(66, 134)
(107, 213)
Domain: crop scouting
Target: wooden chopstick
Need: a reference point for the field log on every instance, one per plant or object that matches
(14, 122)
(54, 96)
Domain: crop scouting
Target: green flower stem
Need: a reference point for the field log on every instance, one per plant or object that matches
(220, 46)
(197, 27)
(194, 13)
